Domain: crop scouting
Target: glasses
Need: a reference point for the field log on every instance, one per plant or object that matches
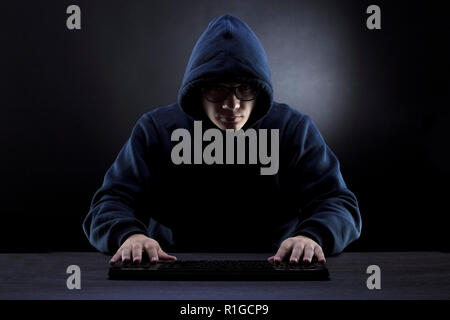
(218, 93)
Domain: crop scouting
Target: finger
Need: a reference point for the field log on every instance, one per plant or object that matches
(296, 253)
(270, 258)
(164, 256)
(308, 253)
(126, 254)
(152, 253)
(284, 249)
(116, 257)
(319, 254)
(137, 253)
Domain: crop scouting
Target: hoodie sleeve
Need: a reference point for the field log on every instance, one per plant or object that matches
(329, 210)
(111, 218)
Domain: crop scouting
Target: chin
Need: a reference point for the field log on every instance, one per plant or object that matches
(234, 126)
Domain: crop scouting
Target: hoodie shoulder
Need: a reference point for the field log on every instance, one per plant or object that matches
(284, 115)
(165, 113)
(169, 117)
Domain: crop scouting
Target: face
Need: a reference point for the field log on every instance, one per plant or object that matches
(231, 113)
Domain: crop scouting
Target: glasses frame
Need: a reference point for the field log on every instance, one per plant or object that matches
(229, 90)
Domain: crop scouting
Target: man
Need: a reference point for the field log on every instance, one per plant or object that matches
(150, 202)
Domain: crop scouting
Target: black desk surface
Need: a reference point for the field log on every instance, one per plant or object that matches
(404, 275)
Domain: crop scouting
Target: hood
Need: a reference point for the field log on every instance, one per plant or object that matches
(228, 50)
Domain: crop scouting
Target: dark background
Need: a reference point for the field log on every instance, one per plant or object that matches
(71, 98)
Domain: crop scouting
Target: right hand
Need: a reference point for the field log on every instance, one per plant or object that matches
(135, 245)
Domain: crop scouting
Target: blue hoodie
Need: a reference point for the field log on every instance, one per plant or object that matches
(224, 207)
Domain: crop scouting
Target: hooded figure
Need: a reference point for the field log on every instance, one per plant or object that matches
(224, 207)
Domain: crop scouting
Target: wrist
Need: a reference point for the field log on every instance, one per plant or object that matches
(136, 236)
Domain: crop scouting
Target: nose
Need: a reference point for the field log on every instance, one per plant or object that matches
(231, 102)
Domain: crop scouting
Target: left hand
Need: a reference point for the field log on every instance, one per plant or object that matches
(296, 247)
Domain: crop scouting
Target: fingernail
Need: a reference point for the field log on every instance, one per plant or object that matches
(154, 259)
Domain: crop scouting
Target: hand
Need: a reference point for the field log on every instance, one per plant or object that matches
(133, 247)
(296, 247)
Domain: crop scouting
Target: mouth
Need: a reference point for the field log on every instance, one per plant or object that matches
(230, 119)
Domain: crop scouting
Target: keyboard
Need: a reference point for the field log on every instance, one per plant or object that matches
(243, 270)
